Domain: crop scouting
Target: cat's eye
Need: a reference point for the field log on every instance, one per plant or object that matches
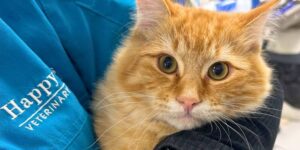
(167, 64)
(218, 71)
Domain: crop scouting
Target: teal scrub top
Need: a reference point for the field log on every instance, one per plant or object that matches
(52, 52)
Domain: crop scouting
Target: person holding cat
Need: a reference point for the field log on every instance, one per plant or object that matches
(53, 53)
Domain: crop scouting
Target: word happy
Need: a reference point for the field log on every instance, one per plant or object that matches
(44, 99)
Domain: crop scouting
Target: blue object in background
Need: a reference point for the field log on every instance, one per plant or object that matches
(286, 7)
(226, 5)
(255, 3)
(182, 2)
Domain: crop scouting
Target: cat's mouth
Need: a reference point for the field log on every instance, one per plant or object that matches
(187, 117)
(184, 121)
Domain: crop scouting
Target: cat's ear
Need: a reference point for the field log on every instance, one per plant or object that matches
(151, 12)
(255, 21)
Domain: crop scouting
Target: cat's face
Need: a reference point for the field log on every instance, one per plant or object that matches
(195, 66)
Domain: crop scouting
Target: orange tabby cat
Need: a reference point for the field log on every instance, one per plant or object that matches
(178, 69)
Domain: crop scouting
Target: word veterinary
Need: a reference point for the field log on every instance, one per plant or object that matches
(45, 98)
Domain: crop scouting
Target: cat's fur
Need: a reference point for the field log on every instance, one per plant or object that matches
(135, 106)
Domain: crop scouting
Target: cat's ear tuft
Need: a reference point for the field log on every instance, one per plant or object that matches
(151, 12)
(255, 21)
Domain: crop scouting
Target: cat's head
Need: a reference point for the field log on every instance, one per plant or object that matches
(193, 65)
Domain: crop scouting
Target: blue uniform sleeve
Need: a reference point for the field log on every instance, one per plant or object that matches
(37, 109)
(51, 55)
(90, 31)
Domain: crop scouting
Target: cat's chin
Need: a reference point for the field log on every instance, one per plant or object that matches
(185, 122)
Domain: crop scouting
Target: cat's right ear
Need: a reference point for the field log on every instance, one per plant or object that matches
(255, 21)
(151, 12)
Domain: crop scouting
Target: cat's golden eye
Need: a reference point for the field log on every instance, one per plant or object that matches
(218, 71)
(167, 64)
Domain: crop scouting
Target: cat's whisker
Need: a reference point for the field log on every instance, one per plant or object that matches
(138, 94)
(226, 132)
(142, 140)
(264, 114)
(111, 97)
(256, 136)
(237, 124)
(270, 109)
(126, 96)
(142, 136)
(126, 26)
(242, 136)
(241, 126)
(220, 132)
(105, 131)
(254, 113)
(132, 92)
(116, 93)
(117, 103)
(258, 113)
(149, 116)
(237, 105)
(211, 127)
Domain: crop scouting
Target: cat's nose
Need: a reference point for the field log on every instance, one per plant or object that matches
(188, 103)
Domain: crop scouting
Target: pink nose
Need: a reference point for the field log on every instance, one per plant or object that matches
(188, 103)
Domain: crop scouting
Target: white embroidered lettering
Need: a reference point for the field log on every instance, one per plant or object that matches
(26, 102)
(34, 123)
(35, 94)
(45, 86)
(51, 76)
(14, 111)
(29, 127)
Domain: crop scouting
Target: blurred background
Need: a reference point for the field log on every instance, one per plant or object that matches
(282, 48)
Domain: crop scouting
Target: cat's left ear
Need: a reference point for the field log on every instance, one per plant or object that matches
(255, 21)
(151, 12)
